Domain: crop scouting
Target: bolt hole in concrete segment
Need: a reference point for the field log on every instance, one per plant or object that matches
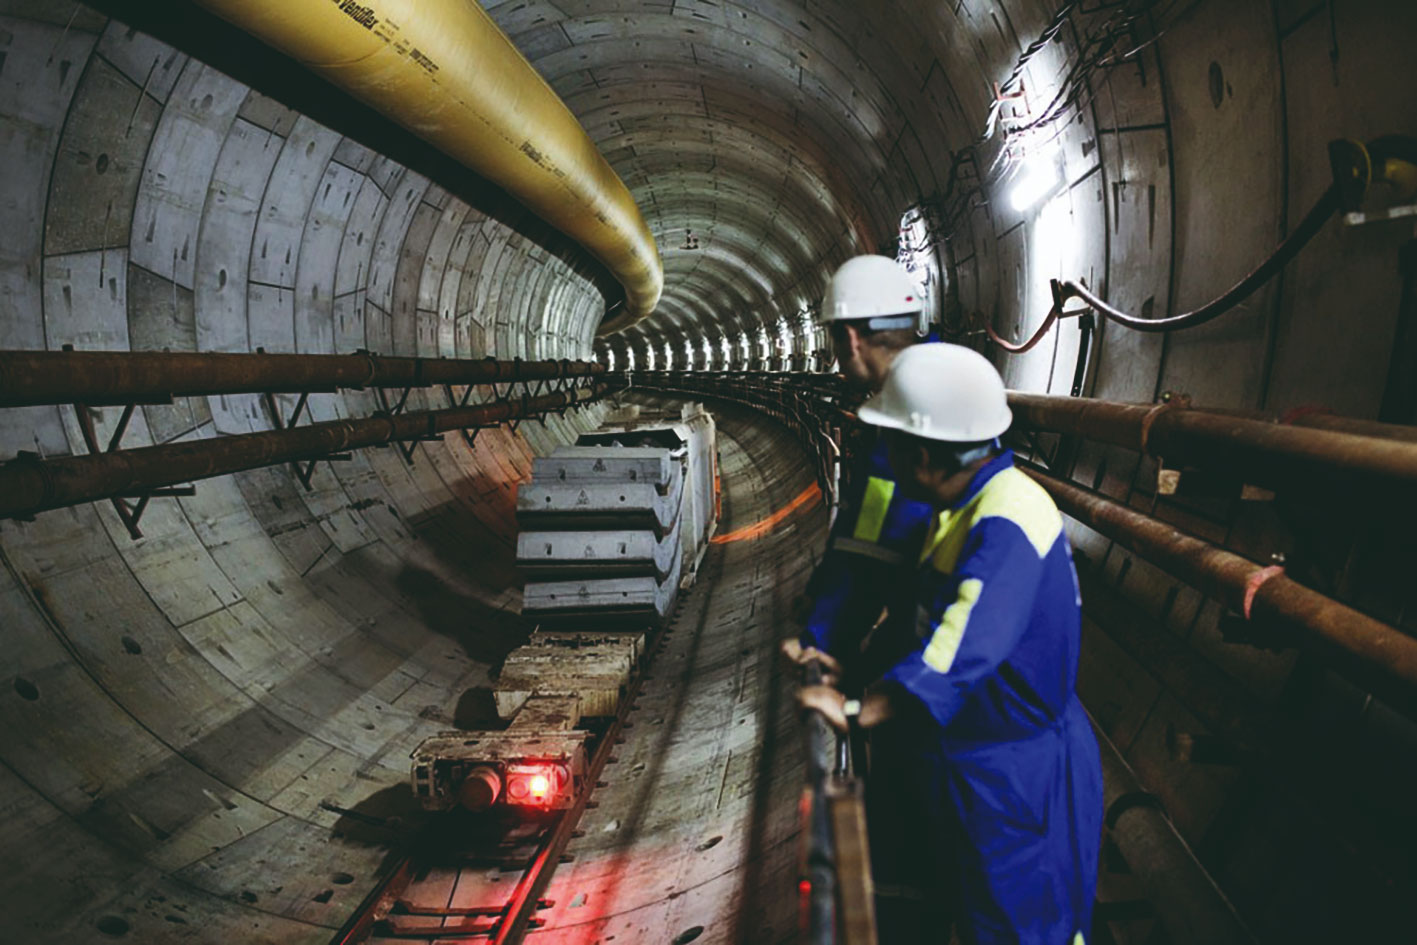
(688, 935)
(113, 925)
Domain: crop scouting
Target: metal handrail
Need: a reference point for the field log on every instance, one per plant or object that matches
(819, 860)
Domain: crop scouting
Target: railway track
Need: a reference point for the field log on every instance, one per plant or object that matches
(481, 877)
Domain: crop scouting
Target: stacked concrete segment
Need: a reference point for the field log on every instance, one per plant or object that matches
(619, 553)
(600, 535)
(689, 433)
(612, 500)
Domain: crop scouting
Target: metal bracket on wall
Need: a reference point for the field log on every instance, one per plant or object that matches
(563, 384)
(406, 448)
(516, 422)
(129, 514)
(397, 408)
(468, 436)
(303, 471)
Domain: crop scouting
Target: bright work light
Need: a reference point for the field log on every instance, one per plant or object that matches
(1033, 182)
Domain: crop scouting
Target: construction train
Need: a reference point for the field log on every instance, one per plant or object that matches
(611, 530)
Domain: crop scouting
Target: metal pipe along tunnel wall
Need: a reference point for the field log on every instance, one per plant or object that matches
(206, 730)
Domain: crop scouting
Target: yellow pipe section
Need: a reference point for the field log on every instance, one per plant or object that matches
(443, 70)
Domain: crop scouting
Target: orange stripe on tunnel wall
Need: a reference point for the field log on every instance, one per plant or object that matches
(760, 528)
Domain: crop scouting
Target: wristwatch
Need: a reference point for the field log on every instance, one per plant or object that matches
(851, 708)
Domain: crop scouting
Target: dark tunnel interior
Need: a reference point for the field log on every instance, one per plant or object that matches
(206, 730)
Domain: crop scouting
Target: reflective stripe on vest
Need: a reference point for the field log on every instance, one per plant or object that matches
(875, 502)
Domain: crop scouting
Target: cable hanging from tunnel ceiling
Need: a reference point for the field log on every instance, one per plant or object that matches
(1094, 46)
(1391, 159)
(1097, 49)
(1097, 46)
(1069, 289)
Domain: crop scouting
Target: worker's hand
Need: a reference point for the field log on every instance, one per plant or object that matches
(827, 701)
(794, 652)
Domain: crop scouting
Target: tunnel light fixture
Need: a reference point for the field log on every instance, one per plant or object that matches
(1035, 179)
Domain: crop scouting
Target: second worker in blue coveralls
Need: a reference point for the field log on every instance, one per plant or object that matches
(872, 310)
(1001, 743)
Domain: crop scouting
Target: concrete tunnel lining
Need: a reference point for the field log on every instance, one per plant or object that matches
(152, 202)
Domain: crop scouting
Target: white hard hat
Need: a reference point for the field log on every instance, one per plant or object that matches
(941, 392)
(871, 287)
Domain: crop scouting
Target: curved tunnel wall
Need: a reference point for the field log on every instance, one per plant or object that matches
(263, 651)
(308, 639)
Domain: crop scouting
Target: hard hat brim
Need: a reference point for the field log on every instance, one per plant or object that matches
(827, 317)
(870, 413)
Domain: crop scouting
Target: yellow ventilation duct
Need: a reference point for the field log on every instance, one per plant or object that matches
(443, 70)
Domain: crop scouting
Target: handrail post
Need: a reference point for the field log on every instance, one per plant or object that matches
(818, 866)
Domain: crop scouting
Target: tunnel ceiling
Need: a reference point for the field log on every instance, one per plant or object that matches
(767, 131)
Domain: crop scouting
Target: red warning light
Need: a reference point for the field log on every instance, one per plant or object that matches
(533, 785)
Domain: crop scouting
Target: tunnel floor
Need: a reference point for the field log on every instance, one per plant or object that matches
(134, 812)
(693, 837)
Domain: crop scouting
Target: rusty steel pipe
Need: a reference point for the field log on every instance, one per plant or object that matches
(1322, 419)
(1380, 657)
(1261, 452)
(28, 378)
(29, 484)
(1189, 903)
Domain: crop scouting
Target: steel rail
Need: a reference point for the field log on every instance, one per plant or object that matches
(29, 484)
(1380, 657)
(513, 918)
(518, 912)
(380, 899)
(29, 378)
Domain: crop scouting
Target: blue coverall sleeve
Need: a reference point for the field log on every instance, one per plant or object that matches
(851, 581)
(976, 617)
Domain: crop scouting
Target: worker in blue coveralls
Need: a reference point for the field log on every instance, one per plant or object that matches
(1001, 738)
(871, 310)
